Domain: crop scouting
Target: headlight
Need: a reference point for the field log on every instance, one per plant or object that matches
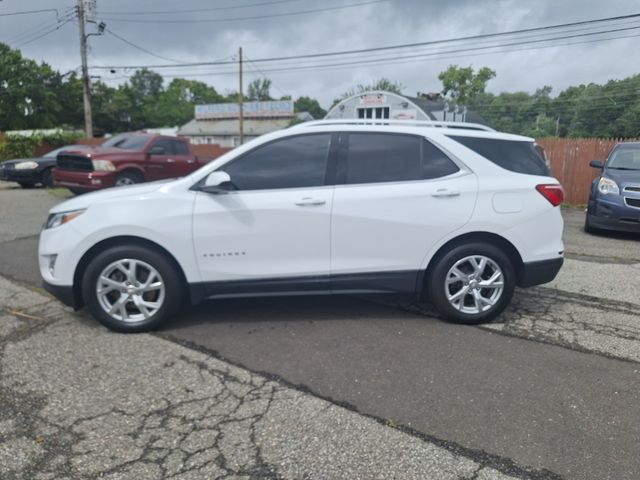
(606, 185)
(103, 165)
(26, 166)
(57, 219)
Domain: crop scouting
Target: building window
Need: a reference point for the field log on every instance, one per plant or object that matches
(373, 112)
(235, 141)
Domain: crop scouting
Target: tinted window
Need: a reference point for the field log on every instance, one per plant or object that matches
(167, 145)
(383, 157)
(180, 148)
(377, 157)
(435, 162)
(299, 161)
(127, 142)
(516, 156)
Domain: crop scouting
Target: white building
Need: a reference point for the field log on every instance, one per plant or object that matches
(393, 106)
(219, 123)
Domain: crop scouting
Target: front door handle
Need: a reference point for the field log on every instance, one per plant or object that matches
(445, 193)
(310, 202)
(170, 160)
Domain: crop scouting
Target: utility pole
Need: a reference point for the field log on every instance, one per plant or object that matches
(241, 99)
(86, 87)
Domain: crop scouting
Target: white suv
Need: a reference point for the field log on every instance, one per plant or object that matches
(460, 215)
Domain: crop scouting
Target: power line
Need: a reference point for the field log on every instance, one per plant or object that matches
(29, 12)
(396, 47)
(142, 49)
(58, 25)
(255, 17)
(406, 58)
(197, 10)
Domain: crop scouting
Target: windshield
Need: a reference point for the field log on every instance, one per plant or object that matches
(625, 159)
(54, 153)
(127, 142)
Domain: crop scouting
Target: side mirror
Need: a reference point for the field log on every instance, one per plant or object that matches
(157, 151)
(217, 182)
(597, 164)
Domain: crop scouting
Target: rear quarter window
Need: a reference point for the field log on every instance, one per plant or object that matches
(513, 155)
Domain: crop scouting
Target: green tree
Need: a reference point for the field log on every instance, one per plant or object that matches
(176, 104)
(28, 92)
(311, 105)
(463, 84)
(258, 90)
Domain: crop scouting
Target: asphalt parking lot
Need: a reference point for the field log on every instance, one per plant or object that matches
(548, 391)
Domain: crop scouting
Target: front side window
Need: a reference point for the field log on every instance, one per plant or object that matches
(164, 146)
(127, 142)
(385, 157)
(292, 162)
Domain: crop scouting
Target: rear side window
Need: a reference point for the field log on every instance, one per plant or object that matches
(385, 157)
(516, 156)
(180, 148)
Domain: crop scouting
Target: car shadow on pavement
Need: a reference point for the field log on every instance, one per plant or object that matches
(279, 310)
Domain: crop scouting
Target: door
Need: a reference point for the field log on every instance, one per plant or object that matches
(396, 195)
(160, 160)
(183, 161)
(271, 233)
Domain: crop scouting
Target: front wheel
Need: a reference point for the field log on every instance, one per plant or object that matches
(47, 178)
(472, 283)
(132, 289)
(128, 178)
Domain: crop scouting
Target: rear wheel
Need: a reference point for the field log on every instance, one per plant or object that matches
(472, 283)
(26, 184)
(132, 289)
(128, 178)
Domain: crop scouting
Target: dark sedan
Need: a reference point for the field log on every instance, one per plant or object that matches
(28, 172)
(614, 202)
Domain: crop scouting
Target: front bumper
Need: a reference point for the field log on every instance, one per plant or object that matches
(21, 176)
(63, 293)
(612, 213)
(537, 273)
(83, 180)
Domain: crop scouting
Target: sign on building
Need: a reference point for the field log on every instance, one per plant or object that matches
(279, 108)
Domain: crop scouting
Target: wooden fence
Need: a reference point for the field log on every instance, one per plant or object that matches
(570, 157)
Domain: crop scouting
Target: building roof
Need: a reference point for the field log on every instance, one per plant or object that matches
(430, 106)
(232, 127)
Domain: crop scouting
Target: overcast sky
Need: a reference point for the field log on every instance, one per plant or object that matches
(369, 25)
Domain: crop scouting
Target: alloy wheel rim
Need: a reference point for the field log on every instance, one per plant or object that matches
(121, 182)
(474, 284)
(130, 290)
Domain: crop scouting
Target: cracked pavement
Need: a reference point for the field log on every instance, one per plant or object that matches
(81, 402)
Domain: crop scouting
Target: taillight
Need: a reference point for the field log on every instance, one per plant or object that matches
(553, 193)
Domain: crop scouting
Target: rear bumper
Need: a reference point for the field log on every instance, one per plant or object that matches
(83, 180)
(537, 273)
(63, 293)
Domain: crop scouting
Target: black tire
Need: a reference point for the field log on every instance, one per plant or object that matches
(78, 191)
(436, 283)
(26, 184)
(128, 178)
(588, 228)
(47, 178)
(171, 279)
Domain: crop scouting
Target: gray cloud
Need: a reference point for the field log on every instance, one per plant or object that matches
(388, 23)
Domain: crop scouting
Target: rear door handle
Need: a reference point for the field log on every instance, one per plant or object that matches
(310, 202)
(170, 160)
(445, 193)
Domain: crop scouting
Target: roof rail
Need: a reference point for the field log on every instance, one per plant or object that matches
(384, 121)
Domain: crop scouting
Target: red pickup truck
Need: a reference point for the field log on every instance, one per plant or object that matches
(124, 160)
